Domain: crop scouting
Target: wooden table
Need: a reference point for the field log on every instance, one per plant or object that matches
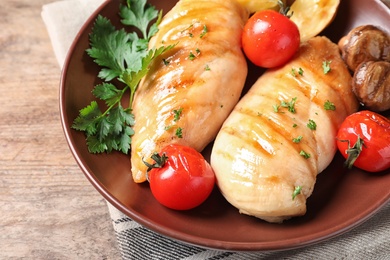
(49, 210)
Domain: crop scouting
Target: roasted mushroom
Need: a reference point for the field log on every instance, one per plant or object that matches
(365, 43)
(371, 85)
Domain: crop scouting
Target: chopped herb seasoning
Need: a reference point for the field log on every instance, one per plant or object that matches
(297, 191)
(295, 125)
(204, 31)
(276, 108)
(177, 114)
(290, 105)
(294, 72)
(189, 27)
(197, 51)
(165, 62)
(326, 66)
(311, 124)
(329, 106)
(179, 132)
(207, 68)
(191, 56)
(304, 154)
(297, 139)
(166, 128)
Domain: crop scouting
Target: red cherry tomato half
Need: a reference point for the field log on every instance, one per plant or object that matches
(184, 181)
(270, 39)
(364, 140)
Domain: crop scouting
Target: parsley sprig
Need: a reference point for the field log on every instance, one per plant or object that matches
(125, 58)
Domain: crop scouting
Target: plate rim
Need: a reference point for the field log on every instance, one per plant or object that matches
(292, 243)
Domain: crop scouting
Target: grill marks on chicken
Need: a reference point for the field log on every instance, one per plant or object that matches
(257, 164)
(190, 91)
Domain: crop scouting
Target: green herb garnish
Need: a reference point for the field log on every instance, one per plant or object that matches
(166, 63)
(326, 66)
(294, 72)
(179, 132)
(297, 139)
(204, 31)
(289, 105)
(329, 106)
(125, 58)
(304, 154)
(311, 124)
(297, 191)
(177, 114)
(191, 56)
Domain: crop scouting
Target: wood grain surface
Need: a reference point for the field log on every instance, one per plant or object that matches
(49, 210)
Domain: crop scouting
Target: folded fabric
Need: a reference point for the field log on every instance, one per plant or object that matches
(63, 20)
(371, 240)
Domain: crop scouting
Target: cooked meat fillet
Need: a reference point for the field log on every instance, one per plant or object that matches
(190, 91)
(265, 150)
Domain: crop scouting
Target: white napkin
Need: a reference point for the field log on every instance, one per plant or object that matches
(370, 240)
(63, 20)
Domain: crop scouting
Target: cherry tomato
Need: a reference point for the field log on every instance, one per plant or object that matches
(364, 140)
(270, 39)
(181, 178)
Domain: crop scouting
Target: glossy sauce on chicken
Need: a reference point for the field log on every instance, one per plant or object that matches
(190, 91)
(280, 135)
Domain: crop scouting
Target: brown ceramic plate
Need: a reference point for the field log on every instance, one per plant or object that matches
(341, 199)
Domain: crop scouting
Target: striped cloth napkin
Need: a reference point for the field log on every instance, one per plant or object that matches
(370, 240)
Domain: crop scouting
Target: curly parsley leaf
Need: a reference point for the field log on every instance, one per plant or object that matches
(123, 57)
